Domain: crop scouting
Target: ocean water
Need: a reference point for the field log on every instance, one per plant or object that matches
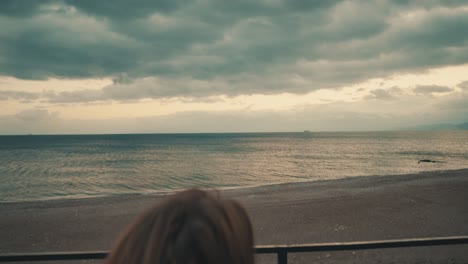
(73, 166)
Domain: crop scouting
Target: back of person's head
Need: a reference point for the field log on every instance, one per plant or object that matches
(190, 227)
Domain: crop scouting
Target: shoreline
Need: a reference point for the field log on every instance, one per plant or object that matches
(73, 198)
(428, 204)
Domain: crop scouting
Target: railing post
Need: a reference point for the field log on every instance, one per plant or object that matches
(282, 256)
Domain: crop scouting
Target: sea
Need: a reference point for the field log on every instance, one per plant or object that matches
(43, 167)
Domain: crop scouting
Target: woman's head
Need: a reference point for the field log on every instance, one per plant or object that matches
(190, 227)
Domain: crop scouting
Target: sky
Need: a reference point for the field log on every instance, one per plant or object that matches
(173, 66)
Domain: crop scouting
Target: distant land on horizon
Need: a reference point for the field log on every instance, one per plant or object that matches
(441, 126)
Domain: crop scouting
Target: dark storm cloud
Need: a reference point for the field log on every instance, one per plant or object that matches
(384, 94)
(123, 90)
(124, 9)
(17, 95)
(463, 85)
(227, 47)
(80, 96)
(428, 89)
(19, 8)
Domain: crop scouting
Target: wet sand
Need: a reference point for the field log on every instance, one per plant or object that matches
(354, 209)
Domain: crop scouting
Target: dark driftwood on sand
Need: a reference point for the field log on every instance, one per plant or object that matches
(428, 160)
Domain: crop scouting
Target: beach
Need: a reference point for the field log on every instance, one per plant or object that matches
(426, 204)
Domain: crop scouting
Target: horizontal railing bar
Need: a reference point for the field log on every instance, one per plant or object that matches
(265, 249)
(74, 255)
(363, 245)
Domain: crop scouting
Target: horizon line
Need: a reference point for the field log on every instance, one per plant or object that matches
(241, 132)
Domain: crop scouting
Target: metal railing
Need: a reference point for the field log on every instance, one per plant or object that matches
(280, 250)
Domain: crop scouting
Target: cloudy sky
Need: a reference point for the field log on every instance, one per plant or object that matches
(230, 66)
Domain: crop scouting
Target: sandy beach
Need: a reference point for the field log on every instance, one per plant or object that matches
(354, 209)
